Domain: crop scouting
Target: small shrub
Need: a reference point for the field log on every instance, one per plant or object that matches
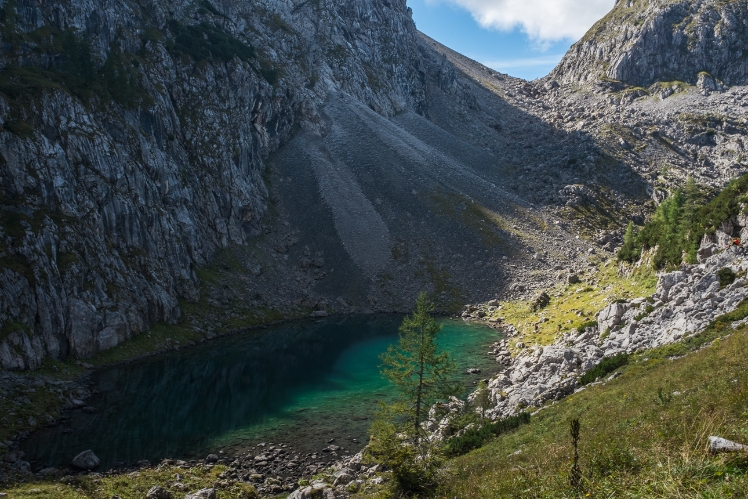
(726, 277)
(204, 42)
(608, 365)
(475, 438)
(664, 398)
(19, 128)
(205, 4)
(412, 474)
(647, 310)
(270, 73)
(74, 70)
(585, 325)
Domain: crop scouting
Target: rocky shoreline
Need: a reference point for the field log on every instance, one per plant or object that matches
(270, 468)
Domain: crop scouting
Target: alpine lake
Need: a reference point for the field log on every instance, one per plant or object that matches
(302, 384)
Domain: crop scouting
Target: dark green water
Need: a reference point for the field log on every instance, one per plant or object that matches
(300, 384)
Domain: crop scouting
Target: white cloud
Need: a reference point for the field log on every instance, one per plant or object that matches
(543, 20)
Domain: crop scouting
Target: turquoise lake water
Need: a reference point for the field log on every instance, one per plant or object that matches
(302, 384)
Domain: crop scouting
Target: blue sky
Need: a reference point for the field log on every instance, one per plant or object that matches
(523, 38)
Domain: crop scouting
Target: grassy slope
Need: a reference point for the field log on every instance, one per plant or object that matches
(644, 434)
(573, 305)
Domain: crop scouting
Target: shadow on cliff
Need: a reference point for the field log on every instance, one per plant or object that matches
(441, 202)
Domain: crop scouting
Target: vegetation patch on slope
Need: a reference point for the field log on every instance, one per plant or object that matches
(642, 435)
(574, 305)
(680, 223)
(73, 69)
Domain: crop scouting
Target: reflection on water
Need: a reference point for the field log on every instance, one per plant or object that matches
(300, 383)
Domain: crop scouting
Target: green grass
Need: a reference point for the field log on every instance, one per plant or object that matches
(573, 306)
(593, 215)
(160, 337)
(643, 435)
(493, 229)
(133, 485)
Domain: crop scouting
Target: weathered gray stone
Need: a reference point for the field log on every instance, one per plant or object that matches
(719, 444)
(86, 460)
(610, 316)
(158, 492)
(202, 494)
(654, 42)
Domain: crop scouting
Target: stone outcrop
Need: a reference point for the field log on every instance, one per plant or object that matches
(641, 42)
(719, 444)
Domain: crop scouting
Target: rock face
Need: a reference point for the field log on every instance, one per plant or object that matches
(641, 42)
(157, 492)
(112, 196)
(202, 494)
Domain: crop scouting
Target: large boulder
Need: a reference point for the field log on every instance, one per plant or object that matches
(706, 251)
(610, 316)
(86, 460)
(541, 301)
(314, 491)
(667, 281)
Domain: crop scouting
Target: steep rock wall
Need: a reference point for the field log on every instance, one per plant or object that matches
(641, 42)
(122, 171)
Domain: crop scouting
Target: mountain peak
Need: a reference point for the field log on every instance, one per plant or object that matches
(641, 42)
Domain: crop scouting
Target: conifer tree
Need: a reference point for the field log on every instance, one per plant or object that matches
(415, 366)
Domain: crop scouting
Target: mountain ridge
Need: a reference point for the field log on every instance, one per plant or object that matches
(527, 168)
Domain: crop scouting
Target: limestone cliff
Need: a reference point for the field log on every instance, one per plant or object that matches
(641, 42)
(133, 138)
